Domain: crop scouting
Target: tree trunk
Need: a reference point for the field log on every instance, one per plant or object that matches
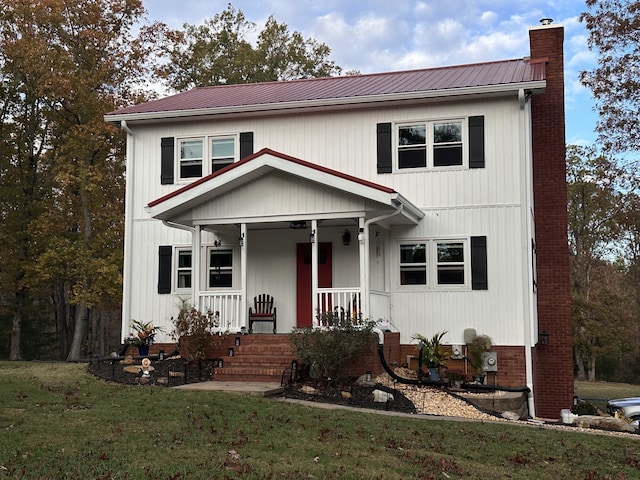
(14, 353)
(592, 368)
(581, 375)
(62, 316)
(79, 332)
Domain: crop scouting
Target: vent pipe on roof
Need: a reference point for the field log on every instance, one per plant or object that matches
(546, 21)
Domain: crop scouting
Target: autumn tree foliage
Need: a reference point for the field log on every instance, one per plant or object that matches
(614, 34)
(605, 307)
(63, 65)
(218, 52)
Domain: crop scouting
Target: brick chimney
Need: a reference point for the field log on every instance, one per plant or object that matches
(553, 362)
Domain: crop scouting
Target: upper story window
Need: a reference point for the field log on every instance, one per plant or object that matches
(219, 151)
(430, 144)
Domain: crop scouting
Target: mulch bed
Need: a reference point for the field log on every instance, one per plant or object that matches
(177, 371)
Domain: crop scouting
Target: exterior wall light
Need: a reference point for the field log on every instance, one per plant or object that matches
(544, 338)
(346, 237)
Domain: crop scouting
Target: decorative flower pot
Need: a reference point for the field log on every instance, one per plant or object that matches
(143, 350)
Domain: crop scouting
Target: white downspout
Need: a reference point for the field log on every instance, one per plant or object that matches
(530, 314)
(128, 228)
(364, 259)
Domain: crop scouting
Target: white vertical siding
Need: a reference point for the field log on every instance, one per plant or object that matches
(457, 202)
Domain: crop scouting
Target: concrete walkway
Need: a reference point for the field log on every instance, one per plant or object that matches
(265, 389)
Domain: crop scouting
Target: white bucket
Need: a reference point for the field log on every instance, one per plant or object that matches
(566, 416)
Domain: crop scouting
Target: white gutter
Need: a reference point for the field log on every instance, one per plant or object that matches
(328, 102)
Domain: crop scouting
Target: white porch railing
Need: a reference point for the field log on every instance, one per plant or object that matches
(228, 307)
(342, 303)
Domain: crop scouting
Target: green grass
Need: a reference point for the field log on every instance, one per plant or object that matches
(597, 393)
(58, 422)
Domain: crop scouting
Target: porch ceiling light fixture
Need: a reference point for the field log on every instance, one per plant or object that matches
(312, 237)
(346, 237)
(298, 225)
(543, 338)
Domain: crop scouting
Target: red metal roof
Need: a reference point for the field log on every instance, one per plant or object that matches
(506, 72)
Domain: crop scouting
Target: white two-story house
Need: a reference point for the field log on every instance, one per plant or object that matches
(427, 200)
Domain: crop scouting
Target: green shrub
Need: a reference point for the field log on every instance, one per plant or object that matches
(329, 350)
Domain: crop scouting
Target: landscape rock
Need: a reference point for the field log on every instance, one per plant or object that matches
(605, 423)
(308, 390)
(380, 397)
(511, 415)
(136, 369)
(128, 360)
(345, 395)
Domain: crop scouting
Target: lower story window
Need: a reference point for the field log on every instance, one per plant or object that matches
(436, 264)
(220, 268)
(413, 264)
(450, 263)
(184, 269)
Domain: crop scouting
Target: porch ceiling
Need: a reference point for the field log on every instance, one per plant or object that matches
(275, 189)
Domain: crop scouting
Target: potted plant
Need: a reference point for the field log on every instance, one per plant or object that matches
(143, 336)
(456, 378)
(432, 353)
(476, 351)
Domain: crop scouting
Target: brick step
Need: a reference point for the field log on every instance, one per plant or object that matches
(265, 360)
(246, 374)
(258, 350)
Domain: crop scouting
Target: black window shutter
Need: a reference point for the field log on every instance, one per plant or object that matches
(246, 144)
(164, 268)
(166, 160)
(476, 142)
(385, 153)
(479, 263)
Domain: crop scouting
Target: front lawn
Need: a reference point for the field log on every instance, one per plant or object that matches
(58, 421)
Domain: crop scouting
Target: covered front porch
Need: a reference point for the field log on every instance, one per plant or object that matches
(315, 239)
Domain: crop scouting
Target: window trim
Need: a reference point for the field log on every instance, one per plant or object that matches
(207, 153)
(430, 145)
(431, 246)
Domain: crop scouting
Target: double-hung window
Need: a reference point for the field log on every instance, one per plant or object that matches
(431, 144)
(184, 268)
(413, 264)
(219, 151)
(450, 263)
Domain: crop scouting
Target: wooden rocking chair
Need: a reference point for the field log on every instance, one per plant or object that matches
(262, 311)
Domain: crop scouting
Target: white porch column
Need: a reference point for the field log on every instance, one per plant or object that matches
(196, 266)
(243, 242)
(363, 245)
(314, 270)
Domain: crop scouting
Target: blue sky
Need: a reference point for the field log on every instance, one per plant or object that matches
(379, 36)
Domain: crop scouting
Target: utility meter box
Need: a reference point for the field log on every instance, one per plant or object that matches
(456, 352)
(490, 362)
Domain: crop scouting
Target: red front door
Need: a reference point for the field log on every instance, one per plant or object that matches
(304, 315)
